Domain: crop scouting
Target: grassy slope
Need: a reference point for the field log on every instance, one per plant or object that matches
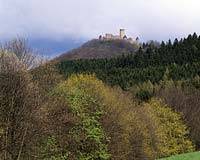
(188, 156)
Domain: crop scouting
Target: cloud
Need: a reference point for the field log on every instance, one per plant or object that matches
(85, 19)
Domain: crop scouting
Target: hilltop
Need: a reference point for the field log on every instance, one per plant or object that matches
(100, 49)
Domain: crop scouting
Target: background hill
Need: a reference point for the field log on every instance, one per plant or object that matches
(100, 49)
(181, 58)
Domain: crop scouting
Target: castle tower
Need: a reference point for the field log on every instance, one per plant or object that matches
(122, 33)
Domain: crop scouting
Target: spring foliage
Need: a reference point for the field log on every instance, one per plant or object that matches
(172, 134)
(107, 124)
(87, 132)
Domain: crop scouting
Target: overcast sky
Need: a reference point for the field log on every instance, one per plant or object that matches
(76, 21)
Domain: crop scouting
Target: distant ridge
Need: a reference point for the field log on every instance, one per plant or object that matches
(100, 49)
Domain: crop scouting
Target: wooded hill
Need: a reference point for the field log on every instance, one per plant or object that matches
(62, 110)
(181, 58)
(170, 72)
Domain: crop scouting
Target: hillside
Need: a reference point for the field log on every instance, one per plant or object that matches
(70, 109)
(181, 58)
(174, 66)
(100, 49)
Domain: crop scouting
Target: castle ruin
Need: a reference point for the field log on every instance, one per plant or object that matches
(121, 36)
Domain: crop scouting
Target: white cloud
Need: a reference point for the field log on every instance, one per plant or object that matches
(84, 19)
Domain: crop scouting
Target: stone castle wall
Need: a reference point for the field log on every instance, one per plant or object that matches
(121, 36)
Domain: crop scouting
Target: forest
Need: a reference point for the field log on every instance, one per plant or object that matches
(141, 106)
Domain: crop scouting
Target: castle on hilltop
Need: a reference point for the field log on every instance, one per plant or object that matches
(121, 36)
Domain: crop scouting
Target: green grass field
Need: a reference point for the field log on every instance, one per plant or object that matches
(188, 156)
